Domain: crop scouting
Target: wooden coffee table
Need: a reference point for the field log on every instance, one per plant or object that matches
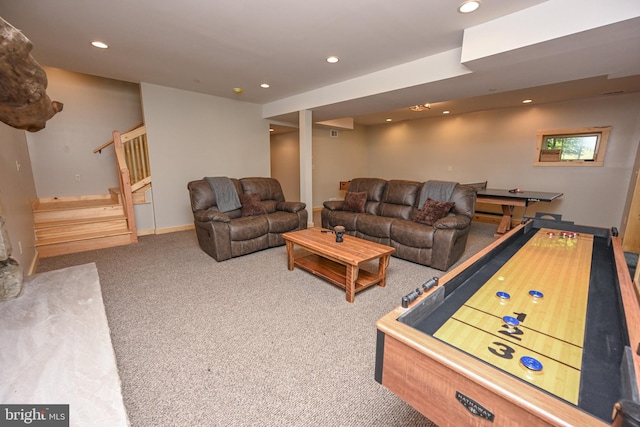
(339, 263)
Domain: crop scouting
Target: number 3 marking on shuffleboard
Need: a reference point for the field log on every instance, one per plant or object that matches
(504, 351)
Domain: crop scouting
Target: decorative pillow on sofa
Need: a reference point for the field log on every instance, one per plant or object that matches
(433, 211)
(354, 202)
(251, 205)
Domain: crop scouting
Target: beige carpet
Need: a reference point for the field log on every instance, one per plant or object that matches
(246, 342)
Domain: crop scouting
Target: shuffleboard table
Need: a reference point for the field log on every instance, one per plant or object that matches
(540, 328)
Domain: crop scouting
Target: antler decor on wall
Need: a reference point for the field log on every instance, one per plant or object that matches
(24, 103)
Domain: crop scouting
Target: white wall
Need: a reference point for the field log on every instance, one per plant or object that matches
(93, 108)
(499, 146)
(17, 193)
(191, 136)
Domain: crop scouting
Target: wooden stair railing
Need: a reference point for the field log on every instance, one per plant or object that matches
(136, 153)
(125, 185)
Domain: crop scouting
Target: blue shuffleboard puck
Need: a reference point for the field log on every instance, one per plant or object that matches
(531, 364)
(536, 294)
(511, 321)
(503, 295)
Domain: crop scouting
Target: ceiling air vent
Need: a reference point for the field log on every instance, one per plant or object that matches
(614, 92)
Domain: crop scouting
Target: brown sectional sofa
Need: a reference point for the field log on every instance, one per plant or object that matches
(390, 214)
(224, 235)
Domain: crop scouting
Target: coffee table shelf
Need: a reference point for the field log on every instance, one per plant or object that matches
(338, 263)
(335, 273)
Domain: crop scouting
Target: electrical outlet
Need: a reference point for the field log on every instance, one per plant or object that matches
(20, 247)
(18, 166)
(77, 177)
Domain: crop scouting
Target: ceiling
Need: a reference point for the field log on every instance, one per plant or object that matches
(390, 52)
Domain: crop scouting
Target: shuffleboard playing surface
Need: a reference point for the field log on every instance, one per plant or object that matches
(549, 327)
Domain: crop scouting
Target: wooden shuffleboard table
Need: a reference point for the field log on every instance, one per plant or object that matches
(540, 328)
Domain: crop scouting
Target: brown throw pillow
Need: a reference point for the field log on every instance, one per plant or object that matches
(354, 202)
(251, 205)
(433, 211)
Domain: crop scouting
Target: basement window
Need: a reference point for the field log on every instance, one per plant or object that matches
(572, 147)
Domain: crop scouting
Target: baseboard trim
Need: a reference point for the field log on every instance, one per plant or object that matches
(34, 264)
(175, 229)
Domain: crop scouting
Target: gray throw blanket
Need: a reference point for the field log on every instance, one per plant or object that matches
(439, 191)
(226, 195)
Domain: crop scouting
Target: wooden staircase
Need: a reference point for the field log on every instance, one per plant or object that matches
(65, 225)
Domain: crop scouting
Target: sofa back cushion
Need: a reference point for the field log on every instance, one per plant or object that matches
(202, 196)
(399, 199)
(374, 187)
(464, 198)
(269, 190)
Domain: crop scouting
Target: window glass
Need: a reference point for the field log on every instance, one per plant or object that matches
(572, 147)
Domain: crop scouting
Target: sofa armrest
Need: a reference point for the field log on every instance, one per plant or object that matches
(457, 222)
(292, 207)
(211, 215)
(334, 205)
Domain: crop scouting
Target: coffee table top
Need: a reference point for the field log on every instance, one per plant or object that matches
(352, 250)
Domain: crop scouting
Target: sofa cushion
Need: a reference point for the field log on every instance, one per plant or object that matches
(399, 199)
(374, 226)
(248, 227)
(354, 201)
(251, 205)
(433, 211)
(412, 234)
(281, 222)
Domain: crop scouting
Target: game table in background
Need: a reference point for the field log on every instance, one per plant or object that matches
(540, 328)
(509, 199)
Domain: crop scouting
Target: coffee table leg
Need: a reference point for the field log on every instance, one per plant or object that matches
(350, 284)
(382, 270)
(289, 254)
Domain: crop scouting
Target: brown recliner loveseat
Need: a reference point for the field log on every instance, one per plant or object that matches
(395, 214)
(257, 225)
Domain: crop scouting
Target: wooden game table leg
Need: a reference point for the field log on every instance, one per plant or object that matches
(350, 281)
(505, 222)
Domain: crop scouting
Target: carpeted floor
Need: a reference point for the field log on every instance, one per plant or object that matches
(246, 342)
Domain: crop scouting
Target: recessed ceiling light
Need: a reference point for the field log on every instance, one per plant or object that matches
(527, 101)
(446, 112)
(389, 120)
(333, 59)
(265, 85)
(99, 45)
(420, 107)
(469, 6)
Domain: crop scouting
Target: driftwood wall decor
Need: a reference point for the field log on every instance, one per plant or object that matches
(24, 103)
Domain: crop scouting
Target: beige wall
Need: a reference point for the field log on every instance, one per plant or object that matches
(17, 193)
(499, 146)
(93, 108)
(191, 136)
(285, 163)
(335, 159)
